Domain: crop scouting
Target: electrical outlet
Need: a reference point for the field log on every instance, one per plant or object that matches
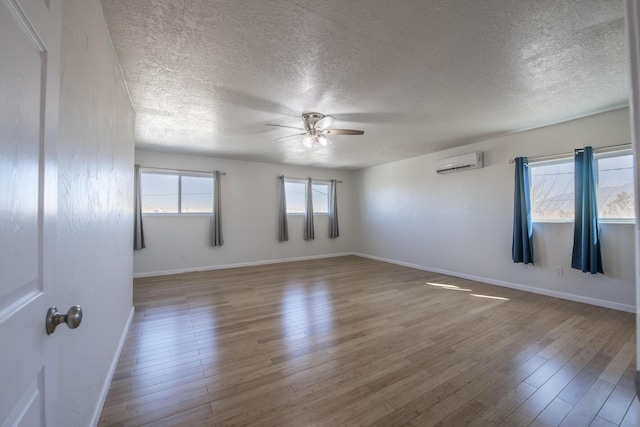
(558, 271)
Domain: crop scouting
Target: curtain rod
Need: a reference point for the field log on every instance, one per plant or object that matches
(179, 170)
(561, 155)
(304, 179)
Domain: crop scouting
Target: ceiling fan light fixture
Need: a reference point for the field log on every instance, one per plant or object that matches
(308, 141)
(322, 141)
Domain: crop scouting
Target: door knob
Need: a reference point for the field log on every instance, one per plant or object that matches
(72, 318)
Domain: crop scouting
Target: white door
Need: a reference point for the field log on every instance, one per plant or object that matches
(30, 33)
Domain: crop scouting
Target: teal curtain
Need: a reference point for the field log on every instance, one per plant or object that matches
(216, 215)
(522, 246)
(138, 232)
(309, 233)
(283, 227)
(586, 256)
(333, 211)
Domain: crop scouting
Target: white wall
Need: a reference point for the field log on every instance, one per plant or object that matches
(95, 160)
(250, 198)
(461, 223)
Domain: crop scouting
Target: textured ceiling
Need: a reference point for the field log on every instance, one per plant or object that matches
(417, 76)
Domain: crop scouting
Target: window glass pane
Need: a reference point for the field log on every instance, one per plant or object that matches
(320, 198)
(197, 194)
(295, 193)
(552, 191)
(159, 193)
(615, 187)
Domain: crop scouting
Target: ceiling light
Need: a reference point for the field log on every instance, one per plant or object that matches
(308, 141)
(322, 141)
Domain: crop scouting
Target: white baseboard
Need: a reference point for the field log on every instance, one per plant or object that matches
(237, 265)
(390, 261)
(526, 288)
(112, 369)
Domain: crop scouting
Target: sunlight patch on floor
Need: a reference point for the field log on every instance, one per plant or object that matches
(450, 287)
(489, 296)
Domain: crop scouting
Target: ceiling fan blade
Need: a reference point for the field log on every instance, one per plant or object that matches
(324, 122)
(342, 132)
(283, 126)
(379, 117)
(291, 136)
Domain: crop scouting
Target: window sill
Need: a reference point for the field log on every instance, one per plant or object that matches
(178, 214)
(315, 214)
(618, 221)
(552, 221)
(570, 221)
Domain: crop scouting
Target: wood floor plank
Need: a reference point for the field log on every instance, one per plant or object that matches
(614, 409)
(616, 368)
(631, 416)
(601, 422)
(505, 406)
(553, 414)
(588, 407)
(352, 341)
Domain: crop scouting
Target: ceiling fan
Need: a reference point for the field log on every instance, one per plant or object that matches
(316, 126)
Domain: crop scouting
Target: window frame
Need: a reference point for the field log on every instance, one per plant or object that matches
(606, 155)
(569, 159)
(179, 174)
(551, 162)
(325, 183)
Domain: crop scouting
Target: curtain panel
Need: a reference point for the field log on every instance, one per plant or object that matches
(586, 255)
(522, 246)
(333, 211)
(309, 233)
(216, 216)
(283, 227)
(138, 231)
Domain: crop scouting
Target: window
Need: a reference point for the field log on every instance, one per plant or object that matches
(552, 188)
(159, 192)
(296, 193)
(616, 187)
(197, 194)
(176, 192)
(552, 191)
(320, 194)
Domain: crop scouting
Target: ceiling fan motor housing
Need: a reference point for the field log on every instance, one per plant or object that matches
(310, 119)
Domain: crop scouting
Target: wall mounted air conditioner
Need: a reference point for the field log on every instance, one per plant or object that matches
(460, 163)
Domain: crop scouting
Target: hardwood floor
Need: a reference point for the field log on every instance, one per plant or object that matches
(351, 341)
